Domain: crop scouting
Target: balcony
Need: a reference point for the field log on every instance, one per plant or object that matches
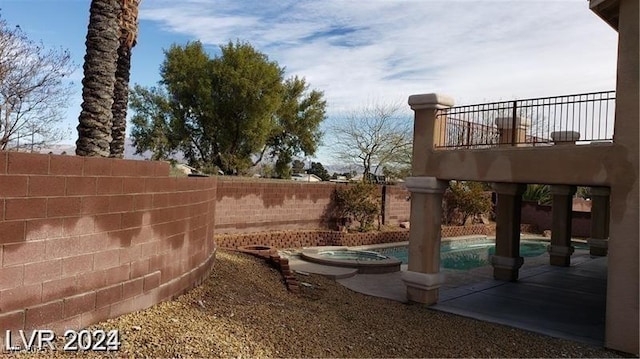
(580, 119)
(551, 140)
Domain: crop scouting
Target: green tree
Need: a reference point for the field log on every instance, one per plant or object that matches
(151, 122)
(297, 167)
(318, 169)
(465, 199)
(246, 92)
(297, 128)
(231, 111)
(281, 170)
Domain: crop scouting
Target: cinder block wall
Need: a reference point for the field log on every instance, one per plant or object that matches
(257, 205)
(397, 205)
(541, 216)
(86, 239)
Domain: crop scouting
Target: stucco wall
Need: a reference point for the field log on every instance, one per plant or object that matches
(86, 239)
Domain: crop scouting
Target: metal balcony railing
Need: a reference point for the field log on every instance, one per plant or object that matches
(585, 118)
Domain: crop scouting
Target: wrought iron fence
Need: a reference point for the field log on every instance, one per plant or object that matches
(529, 122)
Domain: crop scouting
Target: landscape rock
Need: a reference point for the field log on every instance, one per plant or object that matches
(250, 313)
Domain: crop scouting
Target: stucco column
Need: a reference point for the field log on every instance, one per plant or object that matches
(423, 277)
(429, 129)
(506, 129)
(599, 240)
(560, 250)
(622, 321)
(507, 261)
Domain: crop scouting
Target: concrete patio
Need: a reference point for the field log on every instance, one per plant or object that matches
(563, 302)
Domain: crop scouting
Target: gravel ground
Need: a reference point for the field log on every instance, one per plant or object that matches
(244, 310)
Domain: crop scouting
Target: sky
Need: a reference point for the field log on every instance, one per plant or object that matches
(362, 52)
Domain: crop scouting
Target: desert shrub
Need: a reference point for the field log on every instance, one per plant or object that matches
(359, 202)
(464, 200)
(583, 192)
(540, 193)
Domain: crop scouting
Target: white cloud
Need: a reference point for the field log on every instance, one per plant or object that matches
(473, 50)
(354, 51)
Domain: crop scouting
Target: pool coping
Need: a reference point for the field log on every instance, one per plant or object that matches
(387, 265)
(460, 239)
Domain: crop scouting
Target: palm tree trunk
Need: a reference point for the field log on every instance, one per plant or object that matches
(94, 129)
(120, 101)
(128, 33)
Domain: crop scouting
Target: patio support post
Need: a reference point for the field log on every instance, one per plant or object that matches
(429, 127)
(507, 260)
(423, 277)
(560, 250)
(599, 240)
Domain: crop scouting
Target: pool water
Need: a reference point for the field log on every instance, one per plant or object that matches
(469, 255)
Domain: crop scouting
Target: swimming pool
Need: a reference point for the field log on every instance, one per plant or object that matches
(470, 255)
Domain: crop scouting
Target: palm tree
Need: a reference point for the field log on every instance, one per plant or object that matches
(94, 129)
(128, 35)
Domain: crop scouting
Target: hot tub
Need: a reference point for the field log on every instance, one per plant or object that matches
(367, 262)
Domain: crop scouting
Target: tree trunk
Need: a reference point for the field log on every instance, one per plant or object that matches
(94, 129)
(120, 101)
(128, 34)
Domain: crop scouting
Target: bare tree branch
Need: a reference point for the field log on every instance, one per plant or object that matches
(375, 136)
(33, 91)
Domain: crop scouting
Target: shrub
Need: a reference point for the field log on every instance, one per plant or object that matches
(359, 202)
(463, 200)
(539, 193)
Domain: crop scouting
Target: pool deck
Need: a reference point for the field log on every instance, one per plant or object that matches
(563, 302)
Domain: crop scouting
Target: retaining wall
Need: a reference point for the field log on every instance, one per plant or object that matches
(309, 238)
(86, 239)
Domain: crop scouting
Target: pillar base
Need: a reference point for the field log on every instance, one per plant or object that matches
(506, 268)
(598, 247)
(422, 287)
(560, 255)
